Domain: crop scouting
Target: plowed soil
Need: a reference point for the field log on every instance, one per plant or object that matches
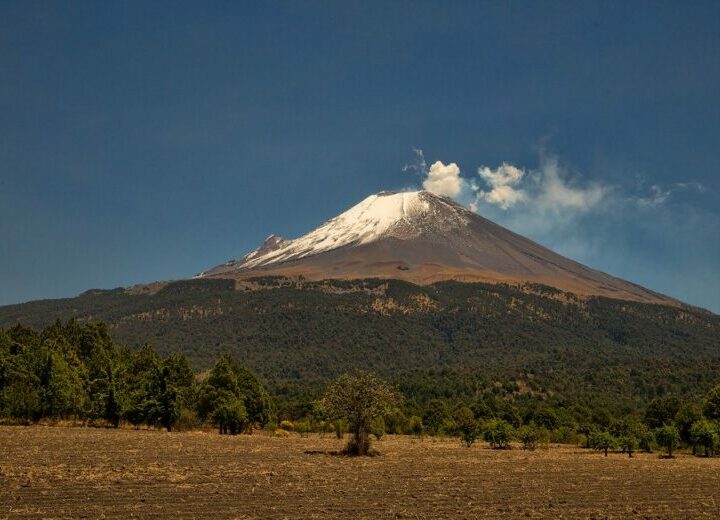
(48, 472)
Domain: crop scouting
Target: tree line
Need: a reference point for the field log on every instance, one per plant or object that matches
(75, 371)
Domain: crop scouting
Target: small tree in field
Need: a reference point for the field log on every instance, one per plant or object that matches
(467, 426)
(602, 441)
(668, 437)
(628, 444)
(359, 399)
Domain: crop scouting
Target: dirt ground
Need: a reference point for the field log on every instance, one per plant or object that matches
(95, 473)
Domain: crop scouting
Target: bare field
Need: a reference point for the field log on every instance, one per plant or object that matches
(48, 472)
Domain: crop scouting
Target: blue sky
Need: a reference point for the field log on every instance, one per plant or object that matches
(141, 142)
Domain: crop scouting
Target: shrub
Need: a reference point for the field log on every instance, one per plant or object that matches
(187, 420)
(529, 435)
(498, 433)
(302, 427)
(287, 426)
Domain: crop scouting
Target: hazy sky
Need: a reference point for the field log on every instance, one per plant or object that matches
(141, 142)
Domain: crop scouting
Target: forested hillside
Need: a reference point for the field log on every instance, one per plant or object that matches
(445, 340)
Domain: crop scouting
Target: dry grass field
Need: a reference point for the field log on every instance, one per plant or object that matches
(48, 472)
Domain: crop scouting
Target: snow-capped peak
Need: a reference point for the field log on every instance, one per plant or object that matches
(385, 214)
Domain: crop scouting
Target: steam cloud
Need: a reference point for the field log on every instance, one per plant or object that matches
(444, 179)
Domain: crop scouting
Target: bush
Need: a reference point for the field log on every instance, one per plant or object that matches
(287, 426)
(187, 420)
(302, 427)
(529, 435)
(498, 433)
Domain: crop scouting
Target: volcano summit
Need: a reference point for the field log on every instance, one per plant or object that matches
(423, 238)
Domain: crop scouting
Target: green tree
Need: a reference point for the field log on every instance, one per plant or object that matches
(61, 388)
(467, 426)
(645, 438)
(711, 406)
(227, 380)
(545, 417)
(230, 415)
(498, 433)
(628, 443)
(358, 399)
(661, 411)
(668, 437)
(704, 433)
(602, 441)
(436, 413)
(686, 416)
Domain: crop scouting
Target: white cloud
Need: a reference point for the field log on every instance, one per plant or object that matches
(549, 188)
(504, 175)
(556, 192)
(444, 179)
(503, 196)
(501, 181)
(658, 195)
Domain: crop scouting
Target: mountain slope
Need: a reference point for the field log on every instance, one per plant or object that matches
(297, 333)
(423, 238)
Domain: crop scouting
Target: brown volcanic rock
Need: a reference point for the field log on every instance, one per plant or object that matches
(424, 238)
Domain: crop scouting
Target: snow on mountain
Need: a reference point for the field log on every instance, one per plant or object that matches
(423, 238)
(385, 214)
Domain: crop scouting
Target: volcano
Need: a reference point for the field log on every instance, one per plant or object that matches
(424, 238)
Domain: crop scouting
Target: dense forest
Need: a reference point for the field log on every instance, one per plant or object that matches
(76, 371)
(451, 341)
